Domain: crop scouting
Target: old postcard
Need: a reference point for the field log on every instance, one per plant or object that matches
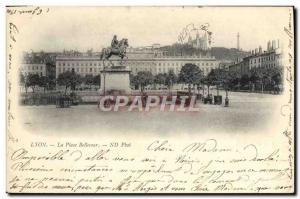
(170, 100)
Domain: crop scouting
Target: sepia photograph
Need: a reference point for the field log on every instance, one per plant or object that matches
(172, 99)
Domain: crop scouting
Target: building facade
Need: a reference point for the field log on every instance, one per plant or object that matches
(235, 68)
(225, 64)
(143, 59)
(271, 58)
(39, 69)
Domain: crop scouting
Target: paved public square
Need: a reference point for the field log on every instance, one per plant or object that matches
(247, 112)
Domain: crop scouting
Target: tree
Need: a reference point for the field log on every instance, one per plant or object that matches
(51, 73)
(144, 78)
(190, 74)
(75, 79)
(160, 79)
(234, 80)
(89, 80)
(221, 77)
(44, 82)
(134, 82)
(254, 78)
(259, 76)
(277, 79)
(23, 81)
(97, 80)
(171, 78)
(245, 80)
(266, 81)
(68, 79)
(210, 79)
(52, 82)
(226, 81)
(33, 81)
(275, 75)
(268, 78)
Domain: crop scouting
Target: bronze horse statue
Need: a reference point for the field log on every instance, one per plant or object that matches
(120, 51)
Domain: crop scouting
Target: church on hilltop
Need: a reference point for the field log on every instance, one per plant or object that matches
(200, 42)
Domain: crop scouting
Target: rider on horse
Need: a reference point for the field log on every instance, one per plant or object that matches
(115, 43)
(117, 48)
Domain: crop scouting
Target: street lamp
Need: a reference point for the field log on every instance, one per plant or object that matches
(226, 98)
(104, 74)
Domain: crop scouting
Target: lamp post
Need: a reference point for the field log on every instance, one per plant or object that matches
(104, 74)
(226, 98)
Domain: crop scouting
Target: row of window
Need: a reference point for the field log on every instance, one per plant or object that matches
(77, 64)
(265, 65)
(95, 70)
(263, 59)
(37, 73)
(80, 70)
(133, 63)
(165, 70)
(176, 64)
(32, 67)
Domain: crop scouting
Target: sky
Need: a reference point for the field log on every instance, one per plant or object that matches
(83, 28)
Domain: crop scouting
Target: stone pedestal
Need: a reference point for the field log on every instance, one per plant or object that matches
(115, 81)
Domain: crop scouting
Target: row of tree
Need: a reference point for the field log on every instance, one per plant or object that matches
(68, 79)
(262, 79)
(145, 78)
(34, 80)
(190, 74)
(72, 80)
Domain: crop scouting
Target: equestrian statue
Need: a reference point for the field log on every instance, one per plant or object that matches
(117, 48)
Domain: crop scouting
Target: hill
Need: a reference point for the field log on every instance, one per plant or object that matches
(232, 54)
